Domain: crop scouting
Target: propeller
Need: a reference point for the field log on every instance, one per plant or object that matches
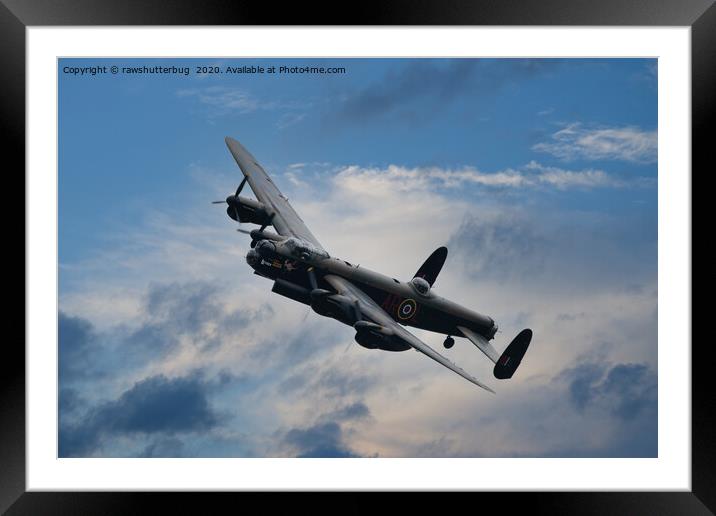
(230, 200)
(270, 220)
(247, 232)
(241, 186)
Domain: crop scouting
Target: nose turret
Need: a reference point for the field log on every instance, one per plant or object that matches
(253, 258)
(265, 248)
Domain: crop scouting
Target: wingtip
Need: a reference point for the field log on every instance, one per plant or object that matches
(482, 385)
(238, 151)
(233, 143)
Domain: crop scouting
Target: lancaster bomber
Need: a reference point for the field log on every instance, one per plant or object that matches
(378, 307)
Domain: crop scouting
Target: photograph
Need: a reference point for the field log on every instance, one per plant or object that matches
(251, 251)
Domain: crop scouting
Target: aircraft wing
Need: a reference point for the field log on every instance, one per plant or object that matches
(376, 314)
(285, 219)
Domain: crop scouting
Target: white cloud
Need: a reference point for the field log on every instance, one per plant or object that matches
(289, 119)
(532, 175)
(628, 143)
(563, 179)
(225, 99)
(405, 179)
(222, 100)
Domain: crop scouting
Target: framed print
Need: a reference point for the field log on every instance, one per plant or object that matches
(258, 344)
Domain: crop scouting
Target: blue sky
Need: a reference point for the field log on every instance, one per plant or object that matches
(540, 176)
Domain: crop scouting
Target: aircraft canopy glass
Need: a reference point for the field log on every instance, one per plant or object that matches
(422, 286)
(304, 250)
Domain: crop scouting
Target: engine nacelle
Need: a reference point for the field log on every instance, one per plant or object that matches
(336, 306)
(247, 210)
(374, 336)
(291, 291)
(265, 248)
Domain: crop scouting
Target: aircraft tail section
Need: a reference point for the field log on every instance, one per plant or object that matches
(433, 265)
(511, 358)
(507, 363)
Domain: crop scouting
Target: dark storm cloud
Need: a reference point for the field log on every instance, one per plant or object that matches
(417, 79)
(321, 440)
(625, 390)
(76, 340)
(354, 411)
(158, 404)
(69, 401)
(164, 447)
(582, 380)
(155, 405)
(625, 396)
(437, 81)
(327, 436)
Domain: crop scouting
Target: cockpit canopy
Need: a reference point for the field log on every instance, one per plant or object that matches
(421, 286)
(304, 250)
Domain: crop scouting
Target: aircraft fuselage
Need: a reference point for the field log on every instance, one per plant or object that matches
(291, 262)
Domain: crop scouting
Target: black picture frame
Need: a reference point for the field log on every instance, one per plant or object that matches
(16, 15)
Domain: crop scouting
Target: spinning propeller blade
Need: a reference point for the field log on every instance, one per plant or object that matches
(269, 221)
(241, 186)
(231, 201)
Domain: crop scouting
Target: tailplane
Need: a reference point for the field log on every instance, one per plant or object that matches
(511, 358)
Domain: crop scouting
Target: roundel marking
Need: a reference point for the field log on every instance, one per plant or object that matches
(407, 309)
